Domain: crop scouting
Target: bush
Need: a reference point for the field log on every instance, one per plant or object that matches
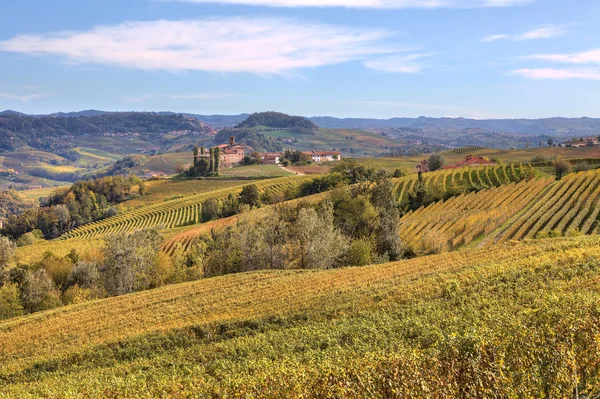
(10, 305)
(435, 162)
(26, 239)
(360, 253)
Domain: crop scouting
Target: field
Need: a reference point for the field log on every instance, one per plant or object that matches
(166, 163)
(463, 324)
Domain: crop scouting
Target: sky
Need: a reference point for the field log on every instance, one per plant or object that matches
(345, 58)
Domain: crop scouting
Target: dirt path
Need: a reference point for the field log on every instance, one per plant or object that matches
(291, 171)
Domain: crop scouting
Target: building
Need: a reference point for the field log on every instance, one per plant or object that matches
(471, 160)
(323, 156)
(231, 153)
(271, 158)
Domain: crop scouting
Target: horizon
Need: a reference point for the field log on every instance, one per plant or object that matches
(303, 116)
(479, 59)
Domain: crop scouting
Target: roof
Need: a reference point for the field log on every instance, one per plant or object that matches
(323, 153)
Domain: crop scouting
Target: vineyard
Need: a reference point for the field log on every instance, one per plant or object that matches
(173, 213)
(476, 177)
(460, 324)
(570, 206)
(464, 218)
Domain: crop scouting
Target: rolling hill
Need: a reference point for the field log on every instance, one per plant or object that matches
(459, 324)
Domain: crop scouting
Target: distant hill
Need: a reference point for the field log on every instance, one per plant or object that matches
(89, 112)
(548, 126)
(53, 133)
(277, 120)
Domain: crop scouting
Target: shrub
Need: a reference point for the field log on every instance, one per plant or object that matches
(360, 253)
(10, 305)
(38, 292)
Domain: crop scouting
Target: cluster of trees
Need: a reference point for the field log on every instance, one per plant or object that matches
(250, 138)
(127, 263)
(203, 167)
(295, 157)
(11, 203)
(84, 202)
(277, 119)
(355, 226)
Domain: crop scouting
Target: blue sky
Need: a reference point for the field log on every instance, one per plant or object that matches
(346, 58)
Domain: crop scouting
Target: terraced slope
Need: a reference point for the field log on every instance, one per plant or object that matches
(462, 219)
(170, 214)
(505, 321)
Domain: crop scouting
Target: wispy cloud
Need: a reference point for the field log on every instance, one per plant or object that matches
(587, 57)
(24, 98)
(399, 63)
(383, 4)
(586, 66)
(254, 45)
(545, 32)
(196, 96)
(558, 74)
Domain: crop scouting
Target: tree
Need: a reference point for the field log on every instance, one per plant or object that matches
(10, 305)
(318, 245)
(211, 209)
(38, 292)
(435, 162)
(560, 169)
(130, 261)
(142, 188)
(386, 234)
(217, 155)
(7, 253)
(196, 149)
(360, 253)
(250, 195)
(550, 142)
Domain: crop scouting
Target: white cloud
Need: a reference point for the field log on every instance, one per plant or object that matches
(587, 57)
(255, 45)
(558, 74)
(545, 32)
(398, 63)
(25, 97)
(383, 4)
(196, 96)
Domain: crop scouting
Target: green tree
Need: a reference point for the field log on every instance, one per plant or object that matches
(211, 209)
(435, 162)
(561, 168)
(7, 253)
(130, 261)
(10, 305)
(386, 233)
(360, 253)
(250, 195)
(217, 155)
(38, 292)
(142, 188)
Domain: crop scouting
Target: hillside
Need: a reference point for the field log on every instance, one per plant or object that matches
(460, 324)
(277, 120)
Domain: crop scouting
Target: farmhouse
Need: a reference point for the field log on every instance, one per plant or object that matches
(322, 156)
(423, 166)
(271, 158)
(471, 160)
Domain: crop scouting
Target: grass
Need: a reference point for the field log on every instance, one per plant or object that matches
(464, 324)
(166, 163)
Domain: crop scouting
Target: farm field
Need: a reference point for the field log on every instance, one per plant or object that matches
(410, 328)
(166, 163)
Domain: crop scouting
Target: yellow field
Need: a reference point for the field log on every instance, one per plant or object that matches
(459, 324)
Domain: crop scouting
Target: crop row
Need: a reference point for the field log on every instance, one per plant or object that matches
(569, 205)
(463, 218)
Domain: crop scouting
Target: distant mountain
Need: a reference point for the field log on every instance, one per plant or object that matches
(10, 112)
(89, 112)
(547, 126)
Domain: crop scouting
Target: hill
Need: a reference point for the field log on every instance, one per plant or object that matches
(462, 324)
(278, 120)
